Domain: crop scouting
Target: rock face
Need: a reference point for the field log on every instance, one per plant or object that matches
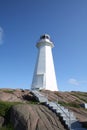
(38, 117)
(15, 95)
(77, 97)
(34, 117)
(1, 121)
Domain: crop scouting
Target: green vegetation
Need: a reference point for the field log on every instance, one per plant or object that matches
(5, 112)
(8, 127)
(5, 107)
(80, 95)
(8, 91)
(71, 104)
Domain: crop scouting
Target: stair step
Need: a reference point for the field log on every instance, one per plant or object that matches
(67, 115)
(39, 96)
(65, 118)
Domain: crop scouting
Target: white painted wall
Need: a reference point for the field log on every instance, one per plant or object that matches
(44, 74)
(51, 83)
(40, 68)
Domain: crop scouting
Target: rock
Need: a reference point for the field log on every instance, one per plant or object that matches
(15, 95)
(20, 95)
(34, 117)
(1, 121)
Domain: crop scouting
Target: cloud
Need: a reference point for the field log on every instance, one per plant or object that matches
(1, 35)
(73, 82)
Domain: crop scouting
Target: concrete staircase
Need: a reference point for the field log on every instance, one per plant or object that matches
(66, 117)
(39, 97)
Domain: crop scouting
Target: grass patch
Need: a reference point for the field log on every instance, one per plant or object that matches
(5, 107)
(9, 91)
(71, 104)
(5, 112)
(80, 95)
(8, 127)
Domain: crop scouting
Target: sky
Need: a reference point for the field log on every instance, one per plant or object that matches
(22, 22)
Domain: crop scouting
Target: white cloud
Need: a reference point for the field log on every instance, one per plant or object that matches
(79, 83)
(1, 35)
(73, 82)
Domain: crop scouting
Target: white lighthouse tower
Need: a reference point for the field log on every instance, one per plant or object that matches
(44, 75)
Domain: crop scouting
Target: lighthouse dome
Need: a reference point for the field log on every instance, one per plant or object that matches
(45, 36)
(44, 40)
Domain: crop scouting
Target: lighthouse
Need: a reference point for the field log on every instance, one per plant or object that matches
(44, 74)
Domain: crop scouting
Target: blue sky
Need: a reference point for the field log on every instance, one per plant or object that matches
(21, 24)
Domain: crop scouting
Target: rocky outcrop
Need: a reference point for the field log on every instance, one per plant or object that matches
(34, 117)
(16, 95)
(77, 97)
(20, 95)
